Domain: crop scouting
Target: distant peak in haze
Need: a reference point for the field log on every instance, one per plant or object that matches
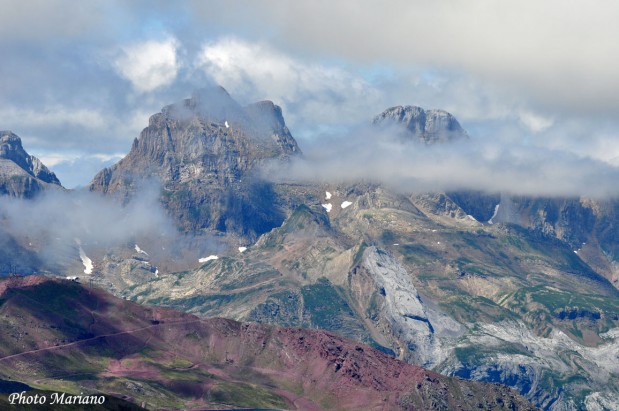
(429, 126)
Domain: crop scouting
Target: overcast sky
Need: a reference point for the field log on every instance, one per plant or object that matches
(80, 79)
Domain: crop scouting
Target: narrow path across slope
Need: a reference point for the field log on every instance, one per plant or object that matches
(97, 337)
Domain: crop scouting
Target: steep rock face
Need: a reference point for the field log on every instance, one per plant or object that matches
(204, 151)
(21, 174)
(429, 126)
(587, 226)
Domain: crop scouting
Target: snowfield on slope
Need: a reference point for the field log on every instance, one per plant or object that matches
(87, 262)
(209, 258)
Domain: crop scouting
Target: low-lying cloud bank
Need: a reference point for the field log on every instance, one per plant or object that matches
(56, 223)
(486, 164)
(60, 217)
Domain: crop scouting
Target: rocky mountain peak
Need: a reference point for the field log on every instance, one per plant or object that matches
(9, 136)
(205, 151)
(21, 175)
(429, 126)
(208, 103)
(11, 147)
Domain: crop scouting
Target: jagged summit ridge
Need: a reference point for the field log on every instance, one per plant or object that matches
(11, 149)
(205, 151)
(21, 174)
(429, 126)
(262, 120)
(212, 123)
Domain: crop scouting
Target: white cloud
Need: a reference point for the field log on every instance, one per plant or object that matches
(535, 122)
(38, 20)
(57, 127)
(546, 70)
(316, 92)
(53, 116)
(489, 164)
(54, 159)
(149, 65)
(561, 53)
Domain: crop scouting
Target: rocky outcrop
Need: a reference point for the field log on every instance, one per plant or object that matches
(205, 151)
(21, 174)
(428, 126)
(538, 366)
(423, 334)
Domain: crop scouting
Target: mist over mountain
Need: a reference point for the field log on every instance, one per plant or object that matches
(441, 157)
(232, 204)
(406, 234)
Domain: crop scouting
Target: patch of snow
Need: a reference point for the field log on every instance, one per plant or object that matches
(438, 242)
(327, 195)
(156, 272)
(328, 207)
(241, 249)
(575, 252)
(496, 210)
(139, 250)
(209, 258)
(396, 244)
(85, 260)
(346, 204)
(434, 231)
(471, 217)
(226, 124)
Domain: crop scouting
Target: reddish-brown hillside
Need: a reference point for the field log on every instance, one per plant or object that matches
(57, 334)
